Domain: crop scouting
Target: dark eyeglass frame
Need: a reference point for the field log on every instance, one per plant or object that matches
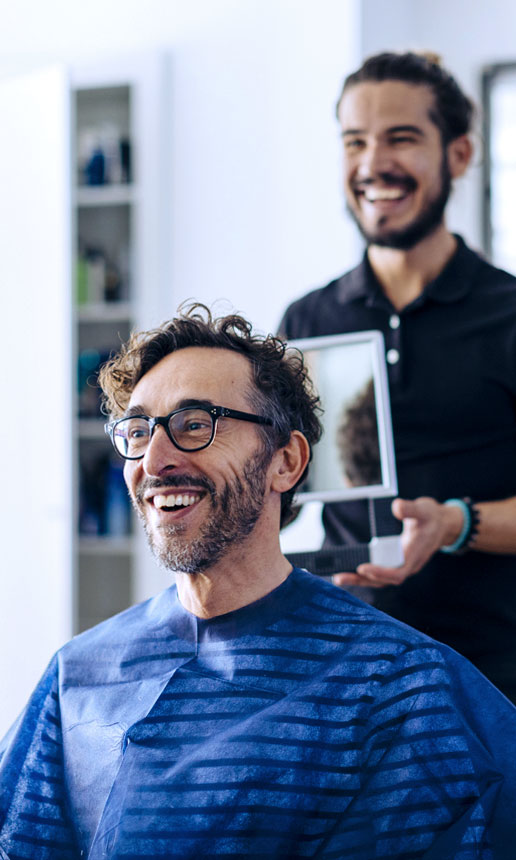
(215, 412)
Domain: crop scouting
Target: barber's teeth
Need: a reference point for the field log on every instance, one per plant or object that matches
(373, 194)
(173, 501)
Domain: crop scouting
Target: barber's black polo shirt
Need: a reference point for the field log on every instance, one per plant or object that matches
(451, 359)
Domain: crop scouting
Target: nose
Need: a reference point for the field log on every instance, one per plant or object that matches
(161, 455)
(375, 158)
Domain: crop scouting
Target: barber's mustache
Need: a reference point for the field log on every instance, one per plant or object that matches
(407, 182)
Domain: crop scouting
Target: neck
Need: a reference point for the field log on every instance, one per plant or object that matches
(246, 573)
(403, 275)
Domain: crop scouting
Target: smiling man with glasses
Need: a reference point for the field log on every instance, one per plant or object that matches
(252, 710)
(209, 480)
(161, 498)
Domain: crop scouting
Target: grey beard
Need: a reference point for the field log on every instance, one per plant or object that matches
(235, 512)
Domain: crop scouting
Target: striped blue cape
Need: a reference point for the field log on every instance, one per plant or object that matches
(305, 725)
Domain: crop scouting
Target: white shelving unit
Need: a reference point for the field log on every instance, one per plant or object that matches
(120, 274)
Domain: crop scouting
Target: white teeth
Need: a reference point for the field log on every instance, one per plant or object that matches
(172, 501)
(373, 194)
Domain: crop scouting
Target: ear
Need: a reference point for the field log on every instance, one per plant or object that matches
(459, 153)
(289, 462)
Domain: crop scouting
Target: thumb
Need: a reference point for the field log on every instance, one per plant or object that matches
(404, 509)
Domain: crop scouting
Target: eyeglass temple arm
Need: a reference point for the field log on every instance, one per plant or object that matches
(244, 416)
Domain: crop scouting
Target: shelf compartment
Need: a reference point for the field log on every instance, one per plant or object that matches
(104, 312)
(92, 428)
(106, 545)
(104, 587)
(99, 196)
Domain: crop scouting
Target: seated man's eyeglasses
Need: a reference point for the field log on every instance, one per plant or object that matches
(190, 428)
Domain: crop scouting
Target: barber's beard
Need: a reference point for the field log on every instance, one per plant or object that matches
(423, 225)
(235, 512)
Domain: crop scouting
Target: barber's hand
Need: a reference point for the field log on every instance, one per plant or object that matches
(427, 525)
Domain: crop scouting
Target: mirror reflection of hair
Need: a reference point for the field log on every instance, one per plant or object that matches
(357, 439)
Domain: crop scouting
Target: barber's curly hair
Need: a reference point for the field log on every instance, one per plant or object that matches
(453, 113)
(282, 389)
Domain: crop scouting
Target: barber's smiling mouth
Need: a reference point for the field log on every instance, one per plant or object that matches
(384, 193)
(374, 194)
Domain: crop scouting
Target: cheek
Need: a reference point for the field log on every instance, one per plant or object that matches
(348, 170)
(348, 176)
(423, 169)
(130, 475)
(223, 469)
(224, 460)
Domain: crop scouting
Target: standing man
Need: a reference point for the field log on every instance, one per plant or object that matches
(449, 323)
(253, 711)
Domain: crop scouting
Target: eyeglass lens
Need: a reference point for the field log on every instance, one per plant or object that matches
(191, 429)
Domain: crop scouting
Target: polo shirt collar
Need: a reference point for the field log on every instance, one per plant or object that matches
(359, 283)
(453, 283)
(456, 279)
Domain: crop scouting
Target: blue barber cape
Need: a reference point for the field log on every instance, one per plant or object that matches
(305, 725)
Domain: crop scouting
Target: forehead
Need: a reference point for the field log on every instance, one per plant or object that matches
(376, 106)
(204, 373)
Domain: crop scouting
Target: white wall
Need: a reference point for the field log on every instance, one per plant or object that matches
(36, 518)
(257, 208)
(255, 176)
(468, 36)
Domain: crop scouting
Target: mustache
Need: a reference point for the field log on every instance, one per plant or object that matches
(388, 179)
(175, 480)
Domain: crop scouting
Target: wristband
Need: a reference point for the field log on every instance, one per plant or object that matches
(469, 527)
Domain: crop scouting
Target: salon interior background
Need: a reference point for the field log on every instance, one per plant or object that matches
(256, 212)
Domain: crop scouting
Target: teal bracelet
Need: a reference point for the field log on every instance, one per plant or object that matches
(466, 530)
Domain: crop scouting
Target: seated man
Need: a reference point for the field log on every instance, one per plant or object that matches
(251, 710)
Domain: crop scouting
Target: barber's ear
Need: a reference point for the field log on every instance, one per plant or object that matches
(460, 153)
(290, 462)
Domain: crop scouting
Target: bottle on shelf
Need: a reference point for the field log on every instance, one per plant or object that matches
(98, 277)
(104, 156)
(89, 363)
(117, 509)
(104, 506)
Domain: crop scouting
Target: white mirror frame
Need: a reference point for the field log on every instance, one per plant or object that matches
(374, 342)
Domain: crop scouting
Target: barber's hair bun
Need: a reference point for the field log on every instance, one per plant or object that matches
(431, 56)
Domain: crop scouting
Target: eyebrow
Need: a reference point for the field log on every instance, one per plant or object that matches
(134, 410)
(394, 129)
(137, 409)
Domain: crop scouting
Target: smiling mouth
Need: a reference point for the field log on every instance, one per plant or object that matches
(373, 195)
(386, 188)
(173, 501)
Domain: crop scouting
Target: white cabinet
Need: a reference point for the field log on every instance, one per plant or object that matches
(83, 260)
(120, 203)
